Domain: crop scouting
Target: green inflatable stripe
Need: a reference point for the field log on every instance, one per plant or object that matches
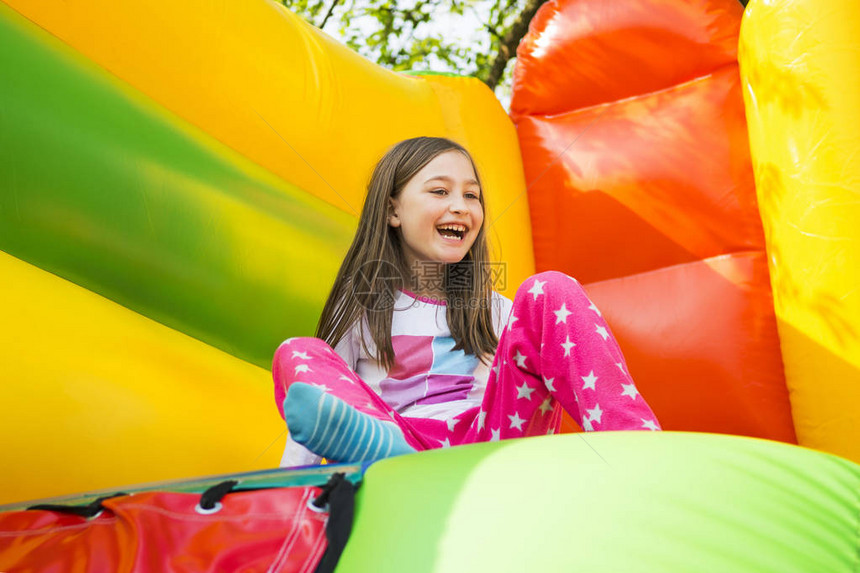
(105, 188)
(632, 502)
(426, 73)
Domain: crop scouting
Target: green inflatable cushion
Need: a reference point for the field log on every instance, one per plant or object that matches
(609, 502)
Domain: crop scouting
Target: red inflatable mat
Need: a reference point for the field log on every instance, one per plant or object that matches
(252, 522)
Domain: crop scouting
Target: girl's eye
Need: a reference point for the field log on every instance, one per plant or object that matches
(472, 195)
(439, 191)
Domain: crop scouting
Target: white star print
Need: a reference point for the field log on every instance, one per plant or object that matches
(303, 368)
(588, 381)
(549, 384)
(537, 288)
(446, 443)
(524, 391)
(302, 355)
(595, 309)
(520, 359)
(516, 421)
(586, 425)
(346, 378)
(481, 417)
(451, 423)
(496, 371)
(511, 321)
(620, 366)
(567, 345)
(601, 331)
(562, 314)
(496, 435)
(630, 390)
(546, 406)
(594, 414)
(650, 424)
(322, 387)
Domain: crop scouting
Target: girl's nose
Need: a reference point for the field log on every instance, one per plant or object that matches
(458, 205)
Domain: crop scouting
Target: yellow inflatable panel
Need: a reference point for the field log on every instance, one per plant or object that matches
(800, 63)
(474, 117)
(309, 112)
(290, 98)
(115, 398)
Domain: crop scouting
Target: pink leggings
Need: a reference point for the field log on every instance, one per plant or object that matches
(556, 351)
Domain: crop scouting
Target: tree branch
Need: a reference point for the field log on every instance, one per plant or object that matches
(493, 31)
(508, 46)
(331, 8)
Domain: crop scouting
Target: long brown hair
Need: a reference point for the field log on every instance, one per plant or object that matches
(375, 266)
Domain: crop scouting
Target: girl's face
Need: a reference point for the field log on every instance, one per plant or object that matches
(439, 212)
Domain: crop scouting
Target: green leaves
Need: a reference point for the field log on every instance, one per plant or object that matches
(464, 37)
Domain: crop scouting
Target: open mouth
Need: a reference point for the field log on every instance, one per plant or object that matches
(456, 232)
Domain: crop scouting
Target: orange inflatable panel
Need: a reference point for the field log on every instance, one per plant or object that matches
(581, 53)
(645, 183)
(632, 129)
(701, 341)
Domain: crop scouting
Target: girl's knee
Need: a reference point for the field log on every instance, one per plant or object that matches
(289, 353)
(295, 350)
(303, 346)
(553, 285)
(556, 280)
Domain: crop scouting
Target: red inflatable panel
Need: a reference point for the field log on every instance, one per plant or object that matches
(699, 340)
(582, 53)
(644, 183)
(635, 147)
(251, 531)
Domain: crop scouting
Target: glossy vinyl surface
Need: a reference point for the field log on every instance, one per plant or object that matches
(640, 185)
(800, 65)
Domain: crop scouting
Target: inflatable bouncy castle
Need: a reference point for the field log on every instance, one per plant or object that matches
(179, 182)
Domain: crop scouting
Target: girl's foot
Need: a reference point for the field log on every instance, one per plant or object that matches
(331, 428)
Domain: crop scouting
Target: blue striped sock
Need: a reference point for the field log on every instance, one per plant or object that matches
(331, 428)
